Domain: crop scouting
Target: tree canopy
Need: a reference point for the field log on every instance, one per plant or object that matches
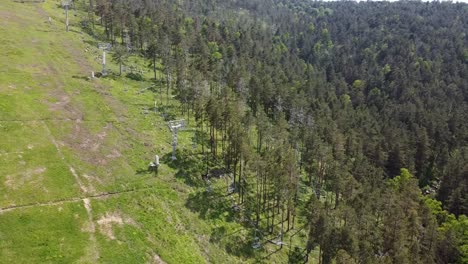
(364, 104)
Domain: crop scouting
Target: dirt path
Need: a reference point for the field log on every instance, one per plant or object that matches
(71, 200)
(82, 187)
(92, 253)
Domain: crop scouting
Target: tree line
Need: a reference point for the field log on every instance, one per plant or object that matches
(349, 119)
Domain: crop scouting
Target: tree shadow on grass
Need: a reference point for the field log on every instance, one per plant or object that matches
(211, 205)
(246, 242)
(189, 167)
(93, 43)
(215, 205)
(236, 243)
(86, 78)
(142, 171)
(147, 171)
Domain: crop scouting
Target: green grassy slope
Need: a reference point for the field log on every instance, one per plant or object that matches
(73, 158)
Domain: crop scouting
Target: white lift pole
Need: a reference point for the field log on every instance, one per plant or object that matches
(66, 5)
(174, 126)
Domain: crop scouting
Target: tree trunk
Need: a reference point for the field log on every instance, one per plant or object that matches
(167, 87)
(112, 29)
(282, 226)
(272, 218)
(337, 199)
(320, 254)
(122, 33)
(154, 67)
(91, 12)
(257, 200)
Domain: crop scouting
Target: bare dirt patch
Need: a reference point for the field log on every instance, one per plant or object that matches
(83, 188)
(105, 223)
(89, 146)
(9, 17)
(62, 103)
(30, 176)
(114, 154)
(157, 260)
(91, 181)
(63, 100)
(92, 253)
(90, 227)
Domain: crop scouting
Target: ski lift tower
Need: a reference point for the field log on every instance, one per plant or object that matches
(66, 5)
(174, 126)
(104, 47)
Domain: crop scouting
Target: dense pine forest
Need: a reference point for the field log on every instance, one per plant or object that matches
(347, 120)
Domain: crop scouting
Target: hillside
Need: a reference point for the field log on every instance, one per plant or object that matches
(312, 132)
(74, 155)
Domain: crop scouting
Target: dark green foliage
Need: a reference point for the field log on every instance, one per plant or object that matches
(120, 56)
(135, 76)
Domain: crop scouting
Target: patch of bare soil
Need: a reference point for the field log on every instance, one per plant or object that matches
(60, 101)
(89, 227)
(157, 260)
(92, 181)
(89, 146)
(9, 17)
(30, 176)
(92, 253)
(83, 188)
(114, 154)
(107, 221)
